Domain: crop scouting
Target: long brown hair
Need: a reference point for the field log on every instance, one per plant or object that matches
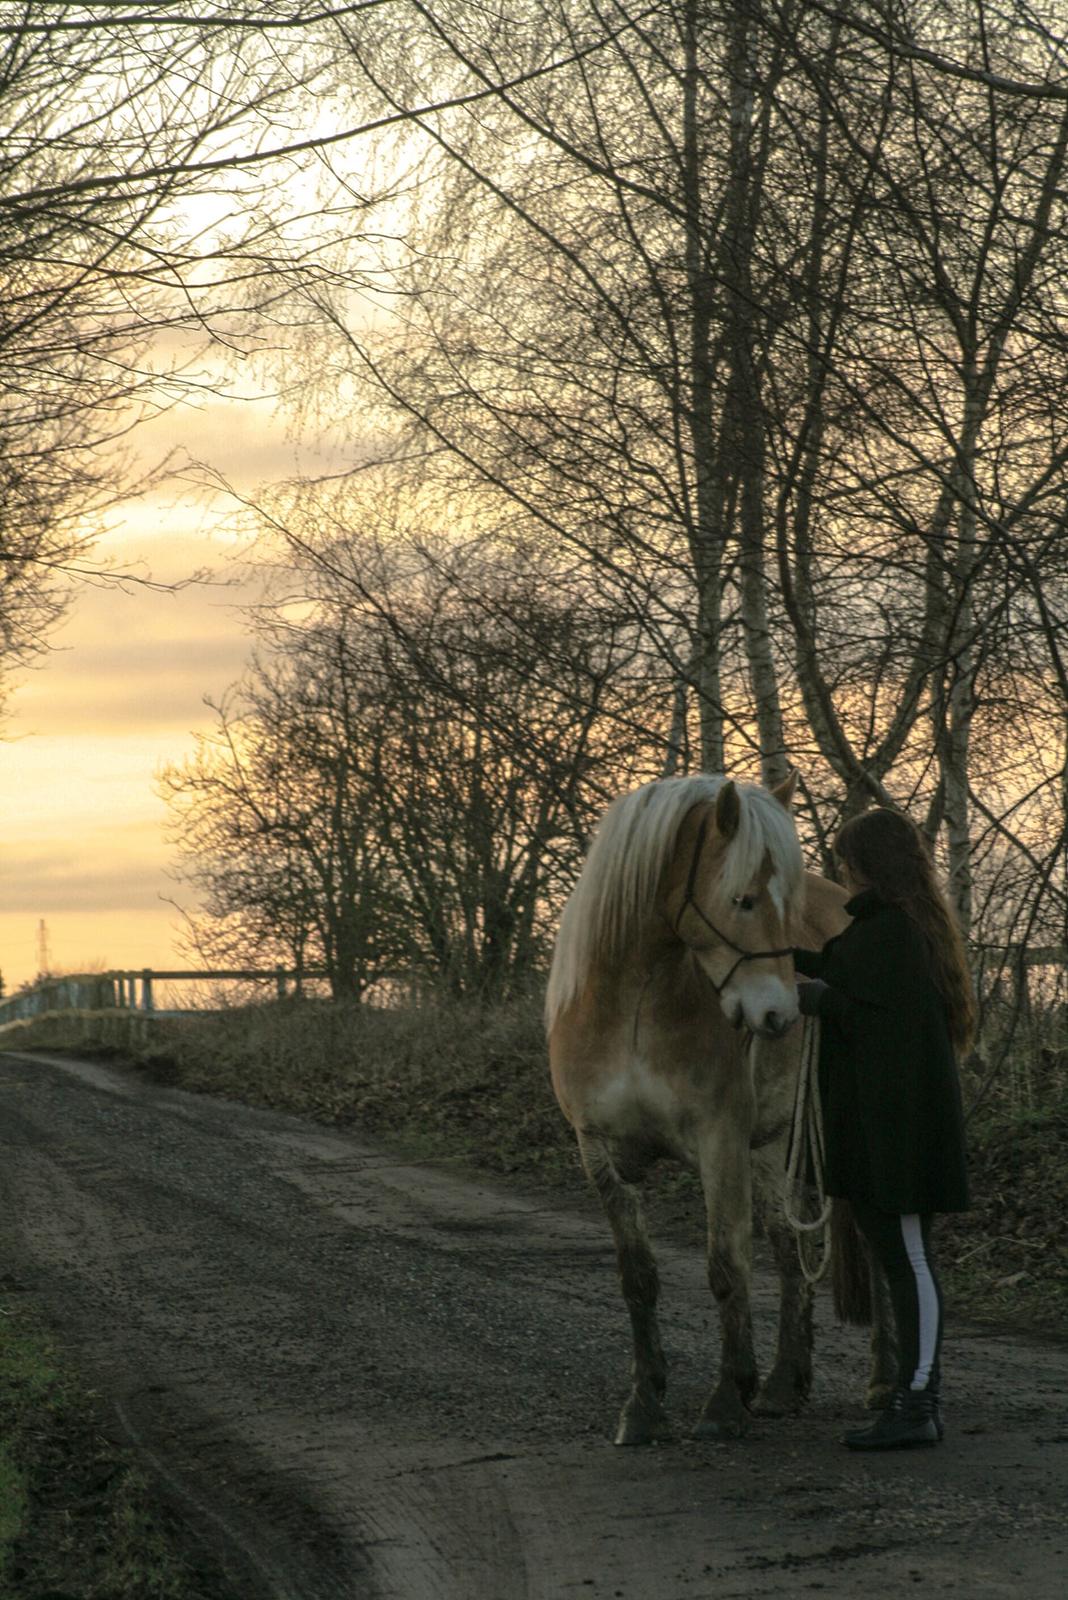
(886, 850)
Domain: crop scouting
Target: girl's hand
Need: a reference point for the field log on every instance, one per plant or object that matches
(810, 995)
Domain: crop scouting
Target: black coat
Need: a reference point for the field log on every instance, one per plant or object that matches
(890, 1092)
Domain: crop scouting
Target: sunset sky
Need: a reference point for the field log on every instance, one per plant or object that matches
(120, 695)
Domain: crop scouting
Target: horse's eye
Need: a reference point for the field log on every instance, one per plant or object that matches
(745, 902)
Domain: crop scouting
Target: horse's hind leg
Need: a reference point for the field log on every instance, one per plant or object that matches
(642, 1419)
(883, 1375)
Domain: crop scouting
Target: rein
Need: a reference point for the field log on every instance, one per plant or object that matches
(690, 903)
(805, 1159)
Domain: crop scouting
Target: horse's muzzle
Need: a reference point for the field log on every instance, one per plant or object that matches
(775, 1024)
(771, 1026)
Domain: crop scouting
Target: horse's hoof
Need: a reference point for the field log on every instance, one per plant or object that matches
(642, 1424)
(780, 1399)
(635, 1433)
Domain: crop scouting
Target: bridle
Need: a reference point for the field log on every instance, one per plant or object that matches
(690, 903)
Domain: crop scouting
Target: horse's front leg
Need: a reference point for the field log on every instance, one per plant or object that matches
(787, 1385)
(776, 1064)
(727, 1184)
(642, 1419)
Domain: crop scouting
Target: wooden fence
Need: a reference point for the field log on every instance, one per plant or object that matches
(131, 990)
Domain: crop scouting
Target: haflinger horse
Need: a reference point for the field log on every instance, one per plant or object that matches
(674, 1032)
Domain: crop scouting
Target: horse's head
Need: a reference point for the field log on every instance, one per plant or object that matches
(731, 893)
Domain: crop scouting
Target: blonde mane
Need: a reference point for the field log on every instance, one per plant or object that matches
(631, 848)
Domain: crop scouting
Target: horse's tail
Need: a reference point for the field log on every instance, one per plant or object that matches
(850, 1268)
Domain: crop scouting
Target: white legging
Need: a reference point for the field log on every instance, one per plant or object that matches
(899, 1243)
(927, 1299)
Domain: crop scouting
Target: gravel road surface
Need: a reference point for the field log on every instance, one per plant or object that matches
(364, 1378)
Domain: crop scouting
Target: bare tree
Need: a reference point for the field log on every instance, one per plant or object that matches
(562, 332)
(427, 736)
(748, 267)
(922, 465)
(133, 236)
(275, 822)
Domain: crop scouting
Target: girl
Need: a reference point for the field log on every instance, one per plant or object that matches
(895, 1000)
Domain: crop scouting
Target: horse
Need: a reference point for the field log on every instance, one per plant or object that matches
(674, 949)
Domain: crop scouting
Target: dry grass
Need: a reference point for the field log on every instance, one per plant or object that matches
(450, 1078)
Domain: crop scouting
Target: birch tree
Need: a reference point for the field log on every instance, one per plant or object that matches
(583, 316)
(960, 238)
(753, 310)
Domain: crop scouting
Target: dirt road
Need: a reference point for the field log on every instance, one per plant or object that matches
(368, 1379)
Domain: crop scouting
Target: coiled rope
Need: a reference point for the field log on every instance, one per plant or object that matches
(805, 1169)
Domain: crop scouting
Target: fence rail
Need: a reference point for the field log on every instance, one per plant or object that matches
(132, 990)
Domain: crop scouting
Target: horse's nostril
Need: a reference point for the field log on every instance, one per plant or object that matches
(775, 1024)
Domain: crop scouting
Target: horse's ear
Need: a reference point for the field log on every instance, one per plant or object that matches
(784, 792)
(728, 810)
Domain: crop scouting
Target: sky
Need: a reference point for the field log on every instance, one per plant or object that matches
(83, 835)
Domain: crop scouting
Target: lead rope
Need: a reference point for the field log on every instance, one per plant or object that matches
(805, 1164)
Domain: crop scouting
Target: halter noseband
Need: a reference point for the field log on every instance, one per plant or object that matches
(690, 903)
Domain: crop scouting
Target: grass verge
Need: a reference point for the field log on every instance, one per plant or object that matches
(77, 1520)
(1007, 1258)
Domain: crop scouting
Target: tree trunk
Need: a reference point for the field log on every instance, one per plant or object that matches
(955, 705)
(707, 531)
(745, 423)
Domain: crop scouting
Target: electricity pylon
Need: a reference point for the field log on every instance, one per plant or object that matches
(44, 954)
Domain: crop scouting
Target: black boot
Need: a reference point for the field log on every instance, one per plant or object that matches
(911, 1419)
